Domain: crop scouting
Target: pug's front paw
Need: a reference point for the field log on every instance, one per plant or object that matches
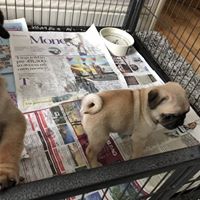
(9, 176)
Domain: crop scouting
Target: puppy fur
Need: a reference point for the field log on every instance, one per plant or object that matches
(12, 131)
(131, 112)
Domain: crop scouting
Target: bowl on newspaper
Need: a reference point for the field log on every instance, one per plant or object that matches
(116, 40)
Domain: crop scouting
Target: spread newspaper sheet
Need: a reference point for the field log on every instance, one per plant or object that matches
(52, 72)
(50, 67)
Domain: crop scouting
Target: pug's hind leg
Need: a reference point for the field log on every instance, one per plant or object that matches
(97, 141)
(138, 145)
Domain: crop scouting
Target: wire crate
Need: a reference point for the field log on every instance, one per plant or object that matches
(167, 35)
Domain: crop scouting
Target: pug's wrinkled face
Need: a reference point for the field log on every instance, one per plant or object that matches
(168, 105)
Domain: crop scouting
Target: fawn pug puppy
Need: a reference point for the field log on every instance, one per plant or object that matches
(12, 131)
(131, 112)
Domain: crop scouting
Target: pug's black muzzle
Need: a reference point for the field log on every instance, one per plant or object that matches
(174, 123)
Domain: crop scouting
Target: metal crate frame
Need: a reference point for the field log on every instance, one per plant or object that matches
(182, 163)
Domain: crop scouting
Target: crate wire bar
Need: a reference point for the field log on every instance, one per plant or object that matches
(182, 164)
(174, 47)
(171, 56)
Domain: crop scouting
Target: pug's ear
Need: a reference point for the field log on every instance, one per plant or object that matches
(154, 98)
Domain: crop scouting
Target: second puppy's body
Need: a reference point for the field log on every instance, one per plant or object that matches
(12, 131)
(131, 112)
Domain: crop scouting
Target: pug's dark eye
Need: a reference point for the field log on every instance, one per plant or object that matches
(168, 117)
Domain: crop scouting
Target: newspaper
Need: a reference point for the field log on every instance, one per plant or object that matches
(51, 67)
(6, 68)
(52, 144)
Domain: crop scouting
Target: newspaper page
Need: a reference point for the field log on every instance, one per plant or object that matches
(6, 68)
(51, 67)
(5, 55)
(52, 143)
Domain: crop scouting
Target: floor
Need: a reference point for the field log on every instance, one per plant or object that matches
(180, 23)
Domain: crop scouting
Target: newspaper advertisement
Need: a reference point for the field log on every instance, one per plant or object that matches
(51, 67)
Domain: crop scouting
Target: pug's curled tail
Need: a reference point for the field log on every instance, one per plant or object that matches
(91, 104)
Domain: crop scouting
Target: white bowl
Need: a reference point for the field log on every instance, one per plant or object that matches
(116, 40)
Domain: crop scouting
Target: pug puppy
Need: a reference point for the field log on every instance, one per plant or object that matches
(12, 131)
(136, 113)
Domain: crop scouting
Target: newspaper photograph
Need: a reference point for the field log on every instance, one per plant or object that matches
(51, 67)
(136, 71)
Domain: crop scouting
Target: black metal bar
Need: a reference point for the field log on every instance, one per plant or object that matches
(171, 32)
(142, 17)
(58, 8)
(122, 6)
(124, 191)
(94, 13)
(33, 12)
(24, 9)
(181, 175)
(41, 17)
(88, 10)
(147, 20)
(187, 188)
(113, 13)
(90, 180)
(127, 18)
(81, 10)
(15, 8)
(132, 15)
(188, 195)
(107, 15)
(73, 9)
(160, 182)
(102, 11)
(189, 51)
(150, 59)
(184, 46)
(104, 193)
(65, 13)
(49, 13)
(141, 189)
(82, 196)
